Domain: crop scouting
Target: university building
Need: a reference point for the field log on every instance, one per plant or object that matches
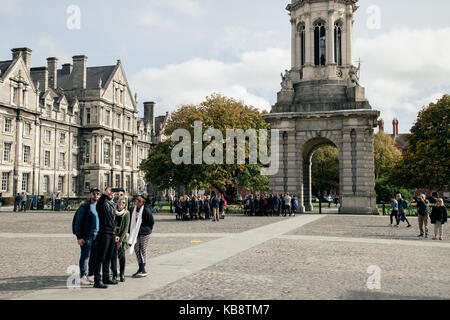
(69, 129)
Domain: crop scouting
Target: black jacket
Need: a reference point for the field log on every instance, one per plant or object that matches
(147, 222)
(422, 208)
(438, 214)
(106, 215)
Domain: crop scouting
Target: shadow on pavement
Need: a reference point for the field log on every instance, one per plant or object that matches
(33, 283)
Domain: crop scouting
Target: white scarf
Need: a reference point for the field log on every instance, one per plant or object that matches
(136, 220)
(120, 213)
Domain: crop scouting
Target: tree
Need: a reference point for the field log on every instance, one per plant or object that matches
(427, 160)
(385, 190)
(325, 169)
(221, 113)
(386, 155)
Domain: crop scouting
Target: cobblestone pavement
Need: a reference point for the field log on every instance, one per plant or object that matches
(332, 266)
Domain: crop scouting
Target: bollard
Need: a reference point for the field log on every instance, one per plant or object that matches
(320, 206)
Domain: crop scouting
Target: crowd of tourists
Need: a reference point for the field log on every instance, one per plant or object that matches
(437, 215)
(271, 205)
(205, 207)
(106, 231)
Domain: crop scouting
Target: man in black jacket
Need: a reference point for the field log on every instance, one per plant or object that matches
(106, 239)
(422, 213)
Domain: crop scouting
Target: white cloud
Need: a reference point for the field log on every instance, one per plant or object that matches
(9, 7)
(188, 7)
(404, 70)
(152, 18)
(48, 46)
(254, 79)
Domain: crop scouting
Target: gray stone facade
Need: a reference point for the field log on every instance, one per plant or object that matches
(322, 103)
(67, 130)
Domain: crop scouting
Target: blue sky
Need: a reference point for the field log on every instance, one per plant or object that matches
(178, 51)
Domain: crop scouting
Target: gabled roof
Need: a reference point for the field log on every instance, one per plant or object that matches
(93, 74)
(4, 66)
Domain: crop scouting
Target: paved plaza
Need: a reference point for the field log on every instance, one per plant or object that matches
(239, 258)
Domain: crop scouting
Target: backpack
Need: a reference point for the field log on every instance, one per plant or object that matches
(86, 205)
(295, 203)
(405, 204)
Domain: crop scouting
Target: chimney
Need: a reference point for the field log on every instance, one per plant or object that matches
(79, 72)
(381, 125)
(52, 66)
(395, 127)
(149, 113)
(66, 68)
(40, 75)
(26, 55)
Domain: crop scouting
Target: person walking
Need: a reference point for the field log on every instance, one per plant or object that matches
(123, 224)
(221, 207)
(215, 206)
(394, 211)
(294, 205)
(402, 206)
(438, 217)
(23, 202)
(287, 204)
(141, 228)
(86, 230)
(106, 238)
(422, 212)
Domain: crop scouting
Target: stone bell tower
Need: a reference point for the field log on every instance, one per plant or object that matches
(321, 103)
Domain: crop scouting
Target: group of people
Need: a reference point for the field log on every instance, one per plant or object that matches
(438, 215)
(203, 207)
(20, 202)
(106, 231)
(271, 205)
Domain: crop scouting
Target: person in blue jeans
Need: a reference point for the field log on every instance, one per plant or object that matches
(86, 230)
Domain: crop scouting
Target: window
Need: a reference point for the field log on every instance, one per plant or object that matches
(60, 183)
(62, 138)
(106, 182)
(24, 98)
(117, 180)
(26, 154)
(46, 183)
(128, 185)
(94, 114)
(87, 152)
(8, 123)
(128, 156)
(74, 161)
(75, 117)
(74, 185)
(47, 158)
(5, 181)
(88, 116)
(118, 154)
(48, 110)
(62, 115)
(47, 136)
(338, 44)
(25, 181)
(15, 99)
(107, 117)
(62, 160)
(118, 121)
(320, 44)
(27, 129)
(107, 152)
(302, 45)
(129, 124)
(7, 151)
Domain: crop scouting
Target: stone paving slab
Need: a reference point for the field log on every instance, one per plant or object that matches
(30, 264)
(376, 227)
(282, 269)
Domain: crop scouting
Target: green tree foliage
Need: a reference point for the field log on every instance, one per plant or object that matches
(325, 169)
(220, 113)
(386, 154)
(385, 190)
(427, 160)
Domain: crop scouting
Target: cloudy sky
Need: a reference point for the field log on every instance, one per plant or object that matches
(179, 51)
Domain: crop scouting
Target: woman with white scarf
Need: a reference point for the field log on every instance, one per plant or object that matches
(123, 223)
(141, 228)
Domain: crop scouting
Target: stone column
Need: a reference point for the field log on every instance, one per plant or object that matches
(307, 193)
(293, 43)
(330, 38)
(291, 162)
(349, 30)
(308, 41)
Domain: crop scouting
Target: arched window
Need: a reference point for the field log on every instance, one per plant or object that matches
(302, 45)
(338, 44)
(320, 44)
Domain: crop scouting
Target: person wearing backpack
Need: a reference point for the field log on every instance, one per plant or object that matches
(423, 207)
(402, 206)
(85, 226)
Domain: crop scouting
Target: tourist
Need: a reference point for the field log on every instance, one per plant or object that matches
(1, 200)
(287, 204)
(106, 238)
(17, 200)
(276, 205)
(186, 208)
(221, 207)
(215, 207)
(207, 207)
(423, 207)
(438, 217)
(294, 205)
(394, 211)
(141, 227)
(195, 208)
(86, 230)
(123, 223)
(178, 203)
(402, 206)
(23, 202)
(225, 205)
